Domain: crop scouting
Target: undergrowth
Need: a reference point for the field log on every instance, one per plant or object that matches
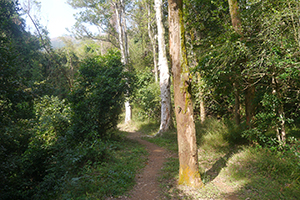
(230, 167)
(114, 177)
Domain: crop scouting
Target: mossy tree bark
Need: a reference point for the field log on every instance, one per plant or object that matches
(187, 148)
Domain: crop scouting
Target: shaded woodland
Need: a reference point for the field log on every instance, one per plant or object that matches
(238, 65)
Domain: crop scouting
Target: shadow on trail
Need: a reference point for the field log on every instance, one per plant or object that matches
(214, 171)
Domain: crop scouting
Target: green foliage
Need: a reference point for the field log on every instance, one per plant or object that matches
(147, 96)
(98, 96)
(28, 148)
(266, 174)
(53, 116)
(212, 134)
(112, 177)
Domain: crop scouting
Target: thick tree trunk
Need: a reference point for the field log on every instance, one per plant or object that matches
(153, 44)
(122, 33)
(166, 119)
(187, 147)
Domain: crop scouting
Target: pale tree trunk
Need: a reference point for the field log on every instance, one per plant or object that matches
(187, 148)
(164, 82)
(128, 113)
(280, 126)
(122, 33)
(153, 43)
(202, 107)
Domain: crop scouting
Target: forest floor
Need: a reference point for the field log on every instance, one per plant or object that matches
(147, 185)
(229, 170)
(149, 181)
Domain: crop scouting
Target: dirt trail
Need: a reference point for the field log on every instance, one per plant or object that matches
(147, 186)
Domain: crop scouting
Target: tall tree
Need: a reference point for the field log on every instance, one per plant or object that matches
(119, 7)
(237, 26)
(153, 39)
(187, 147)
(249, 87)
(166, 119)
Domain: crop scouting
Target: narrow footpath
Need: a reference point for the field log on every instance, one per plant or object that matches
(147, 186)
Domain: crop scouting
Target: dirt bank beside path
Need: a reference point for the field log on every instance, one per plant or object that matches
(147, 186)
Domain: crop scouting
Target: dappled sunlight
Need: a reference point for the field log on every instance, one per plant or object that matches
(259, 174)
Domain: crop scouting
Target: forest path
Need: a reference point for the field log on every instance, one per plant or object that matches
(147, 185)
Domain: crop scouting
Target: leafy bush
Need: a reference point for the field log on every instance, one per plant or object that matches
(266, 122)
(147, 96)
(29, 146)
(98, 96)
(110, 177)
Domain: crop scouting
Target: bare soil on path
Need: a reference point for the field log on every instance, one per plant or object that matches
(147, 185)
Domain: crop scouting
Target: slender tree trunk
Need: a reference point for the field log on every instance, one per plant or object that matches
(124, 29)
(166, 119)
(200, 82)
(202, 107)
(237, 115)
(281, 133)
(120, 32)
(249, 96)
(121, 22)
(153, 44)
(250, 90)
(281, 130)
(235, 16)
(187, 147)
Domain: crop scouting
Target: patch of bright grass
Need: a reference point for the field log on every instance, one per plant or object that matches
(112, 178)
(148, 128)
(166, 140)
(212, 134)
(264, 174)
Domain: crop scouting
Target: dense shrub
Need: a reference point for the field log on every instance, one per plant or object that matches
(29, 146)
(147, 96)
(98, 97)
